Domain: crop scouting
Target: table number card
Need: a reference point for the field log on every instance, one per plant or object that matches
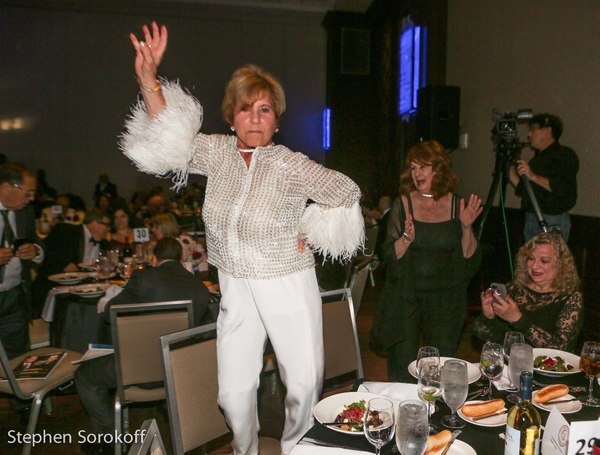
(556, 434)
(141, 235)
(581, 439)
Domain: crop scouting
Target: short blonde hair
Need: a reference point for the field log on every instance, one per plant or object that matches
(246, 85)
(167, 223)
(567, 278)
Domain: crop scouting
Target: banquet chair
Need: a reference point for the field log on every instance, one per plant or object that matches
(35, 390)
(358, 281)
(136, 329)
(152, 443)
(195, 418)
(340, 339)
(39, 333)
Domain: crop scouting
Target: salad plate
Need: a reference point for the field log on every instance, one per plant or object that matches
(551, 356)
(89, 291)
(329, 408)
(69, 277)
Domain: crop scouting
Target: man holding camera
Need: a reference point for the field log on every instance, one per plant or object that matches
(553, 175)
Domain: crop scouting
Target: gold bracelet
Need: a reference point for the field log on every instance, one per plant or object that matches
(154, 89)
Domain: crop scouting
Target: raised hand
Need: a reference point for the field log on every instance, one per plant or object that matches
(149, 53)
(470, 211)
(409, 229)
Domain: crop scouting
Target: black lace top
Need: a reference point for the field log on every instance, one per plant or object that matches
(550, 320)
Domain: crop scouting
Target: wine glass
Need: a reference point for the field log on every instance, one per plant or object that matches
(455, 385)
(509, 339)
(412, 429)
(590, 365)
(379, 425)
(521, 359)
(429, 388)
(491, 363)
(427, 354)
(105, 267)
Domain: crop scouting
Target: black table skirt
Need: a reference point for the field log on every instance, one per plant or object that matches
(484, 440)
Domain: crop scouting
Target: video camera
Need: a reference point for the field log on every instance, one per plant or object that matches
(505, 135)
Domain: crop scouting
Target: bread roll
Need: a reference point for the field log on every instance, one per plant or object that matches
(485, 407)
(437, 442)
(550, 392)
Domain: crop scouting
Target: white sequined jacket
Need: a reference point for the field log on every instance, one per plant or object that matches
(253, 216)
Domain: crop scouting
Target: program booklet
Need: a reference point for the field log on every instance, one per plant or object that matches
(94, 351)
(38, 366)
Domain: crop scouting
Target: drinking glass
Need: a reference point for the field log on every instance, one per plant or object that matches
(589, 363)
(455, 386)
(429, 388)
(114, 255)
(427, 354)
(521, 359)
(509, 339)
(491, 363)
(379, 425)
(105, 268)
(412, 429)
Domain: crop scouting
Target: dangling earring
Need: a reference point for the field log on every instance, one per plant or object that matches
(277, 130)
(232, 128)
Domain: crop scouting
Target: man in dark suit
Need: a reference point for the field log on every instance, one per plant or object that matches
(18, 252)
(105, 187)
(167, 280)
(68, 245)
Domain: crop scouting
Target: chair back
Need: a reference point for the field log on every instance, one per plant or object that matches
(358, 281)
(371, 237)
(340, 339)
(152, 443)
(136, 329)
(6, 372)
(190, 363)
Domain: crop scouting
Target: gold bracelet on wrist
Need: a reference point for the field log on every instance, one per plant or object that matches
(155, 89)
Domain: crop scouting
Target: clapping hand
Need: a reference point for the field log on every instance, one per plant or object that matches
(470, 211)
(149, 53)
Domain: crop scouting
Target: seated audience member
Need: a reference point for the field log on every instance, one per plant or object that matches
(543, 303)
(104, 203)
(167, 280)
(68, 245)
(194, 255)
(122, 231)
(106, 188)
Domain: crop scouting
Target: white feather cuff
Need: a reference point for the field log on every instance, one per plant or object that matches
(336, 233)
(163, 145)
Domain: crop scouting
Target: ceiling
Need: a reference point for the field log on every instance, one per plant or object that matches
(359, 6)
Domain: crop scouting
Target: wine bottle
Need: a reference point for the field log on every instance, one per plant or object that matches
(127, 252)
(523, 423)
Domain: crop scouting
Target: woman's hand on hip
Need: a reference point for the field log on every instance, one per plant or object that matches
(149, 53)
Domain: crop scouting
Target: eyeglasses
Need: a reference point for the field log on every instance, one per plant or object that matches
(28, 193)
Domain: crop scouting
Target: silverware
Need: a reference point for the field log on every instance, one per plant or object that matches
(455, 434)
(316, 442)
(564, 400)
(485, 416)
(478, 393)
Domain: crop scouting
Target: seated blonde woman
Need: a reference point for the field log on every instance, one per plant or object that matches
(544, 302)
(194, 256)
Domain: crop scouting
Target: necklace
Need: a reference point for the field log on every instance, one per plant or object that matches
(426, 194)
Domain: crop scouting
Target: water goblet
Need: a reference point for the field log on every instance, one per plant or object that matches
(521, 359)
(589, 363)
(455, 385)
(379, 425)
(509, 339)
(105, 268)
(427, 354)
(491, 363)
(429, 388)
(412, 429)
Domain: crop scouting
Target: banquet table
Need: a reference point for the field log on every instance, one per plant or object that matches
(484, 440)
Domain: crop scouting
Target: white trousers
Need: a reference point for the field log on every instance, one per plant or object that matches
(288, 311)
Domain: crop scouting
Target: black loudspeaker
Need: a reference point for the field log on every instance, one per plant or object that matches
(438, 114)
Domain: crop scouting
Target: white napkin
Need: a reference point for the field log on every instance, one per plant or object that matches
(503, 383)
(48, 310)
(112, 291)
(309, 449)
(396, 391)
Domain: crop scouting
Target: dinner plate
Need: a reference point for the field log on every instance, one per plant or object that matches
(459, 447)
(492, 421)
(564, 408)
(328, 408)
(87, 266)
(69, 277)
(569, 358)
(472, 369)
(89, 291)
